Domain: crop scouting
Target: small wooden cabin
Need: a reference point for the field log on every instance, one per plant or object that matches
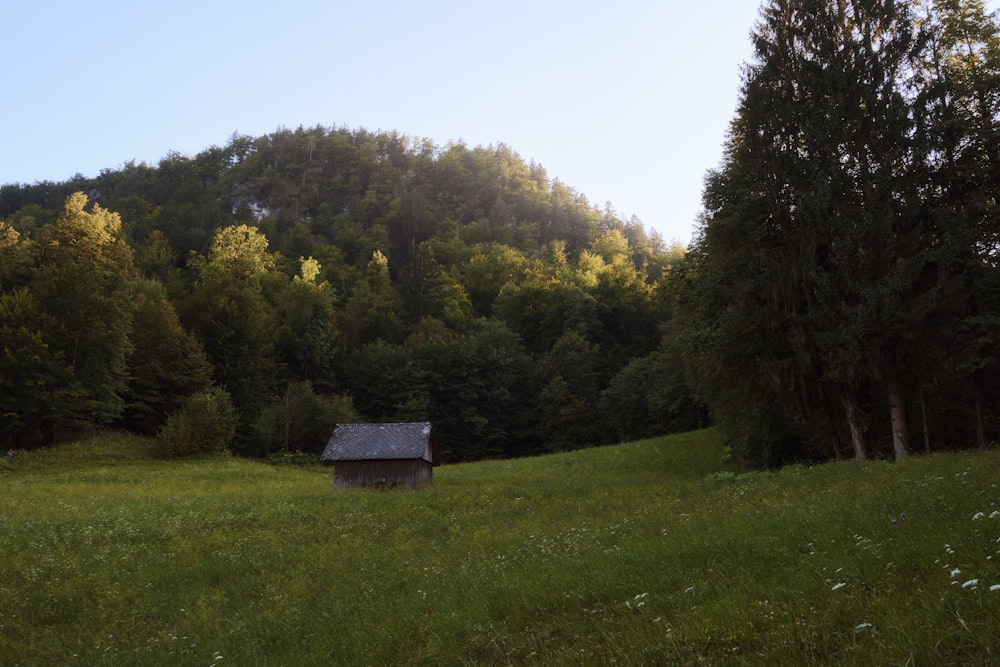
(377, 454)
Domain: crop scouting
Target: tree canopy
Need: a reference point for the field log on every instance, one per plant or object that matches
(848, 237)
(841, 297)
(325, 273)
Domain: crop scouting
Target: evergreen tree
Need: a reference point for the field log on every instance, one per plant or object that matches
(373, 310)
(813, 248)
(570, 379)
(167, 365)
(959, 110)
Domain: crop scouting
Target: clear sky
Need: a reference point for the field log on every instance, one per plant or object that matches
(626, 101)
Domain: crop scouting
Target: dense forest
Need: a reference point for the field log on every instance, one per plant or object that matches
(841, 297)
(326, 274)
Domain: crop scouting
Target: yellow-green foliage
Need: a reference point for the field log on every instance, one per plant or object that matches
(643, 553)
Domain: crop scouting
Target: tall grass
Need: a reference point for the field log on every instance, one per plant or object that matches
(645, 553)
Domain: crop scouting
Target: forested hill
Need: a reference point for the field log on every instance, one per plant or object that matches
(323, 275)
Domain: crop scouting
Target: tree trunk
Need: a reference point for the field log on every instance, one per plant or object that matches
(854, 424)
(977, 393)
(897, 404)
(923, 421)
(288, 421)
(831, 420)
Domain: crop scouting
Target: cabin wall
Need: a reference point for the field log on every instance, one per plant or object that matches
(412, 474)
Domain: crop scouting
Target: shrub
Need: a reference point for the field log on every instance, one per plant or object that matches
(205, 424)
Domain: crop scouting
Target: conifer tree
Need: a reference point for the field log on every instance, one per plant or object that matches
(959, 111)
(167, 364)
(813, 245)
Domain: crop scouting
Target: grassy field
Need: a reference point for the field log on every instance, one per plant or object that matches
(645, 553)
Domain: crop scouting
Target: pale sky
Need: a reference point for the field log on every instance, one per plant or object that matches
(627, 102)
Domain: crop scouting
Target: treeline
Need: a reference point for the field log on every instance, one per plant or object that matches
(325, 274)
(843, 295)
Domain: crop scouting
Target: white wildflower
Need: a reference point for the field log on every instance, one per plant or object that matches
(995, 587)
(956, 572)
(838, 586)
(977, 515)
(970, 582)
(861, 627)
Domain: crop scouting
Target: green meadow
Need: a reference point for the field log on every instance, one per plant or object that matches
(645, 553)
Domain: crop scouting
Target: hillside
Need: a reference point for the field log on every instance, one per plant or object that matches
(327, 274)
(650, 552)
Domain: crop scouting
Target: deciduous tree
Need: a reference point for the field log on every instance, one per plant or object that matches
(85, 283)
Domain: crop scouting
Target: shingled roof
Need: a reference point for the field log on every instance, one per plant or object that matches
(372, 442)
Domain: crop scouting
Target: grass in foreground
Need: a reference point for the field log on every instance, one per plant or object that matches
(644, 553)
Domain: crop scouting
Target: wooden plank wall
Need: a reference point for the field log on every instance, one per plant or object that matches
(411, 474)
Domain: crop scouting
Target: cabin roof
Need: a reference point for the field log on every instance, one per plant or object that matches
(373, 442)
